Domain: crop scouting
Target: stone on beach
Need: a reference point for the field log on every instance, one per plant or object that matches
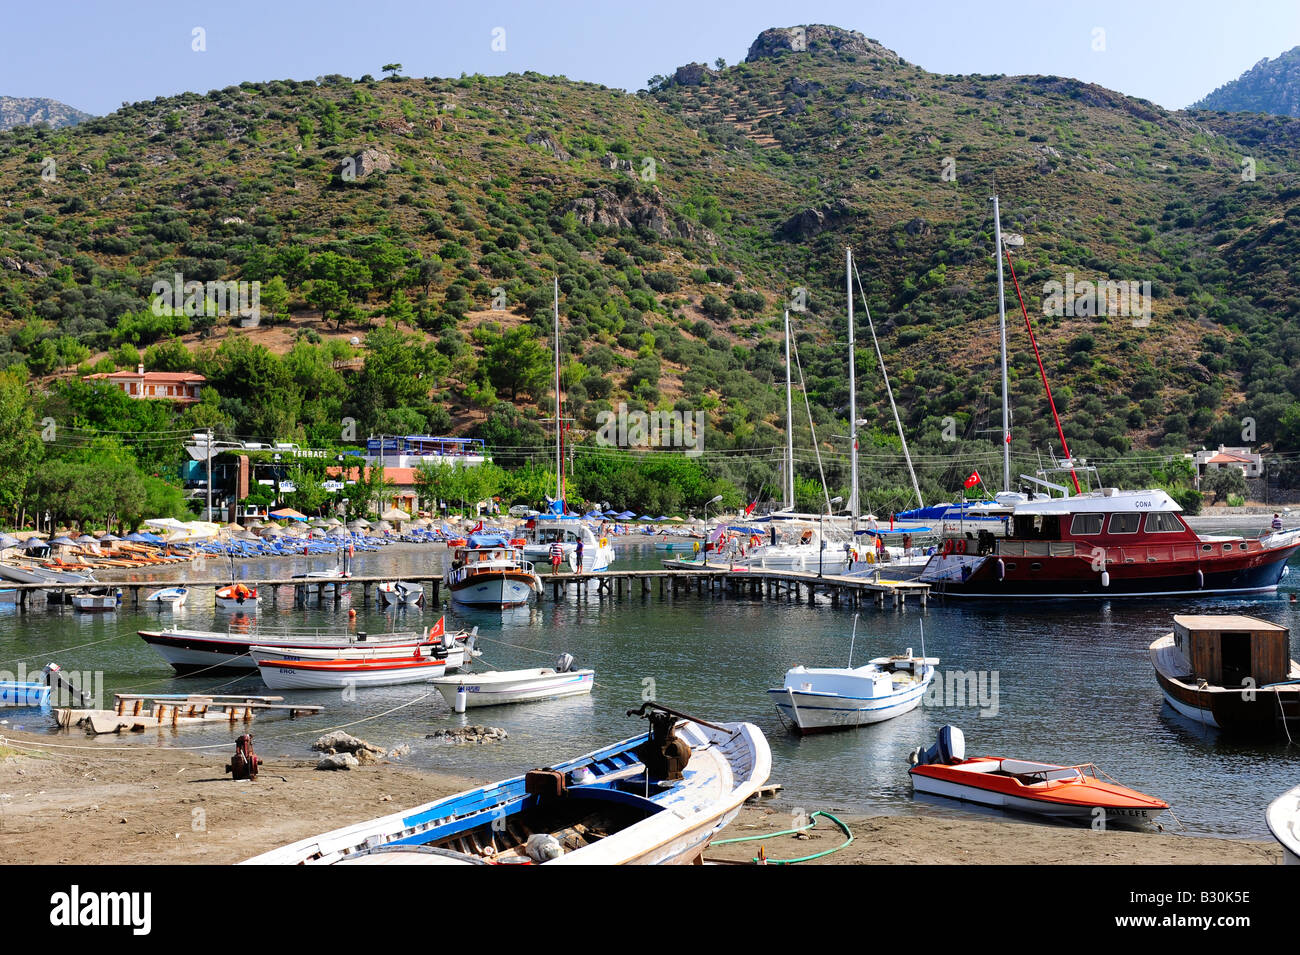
(338, 761)
(470, 734)
(340, 742)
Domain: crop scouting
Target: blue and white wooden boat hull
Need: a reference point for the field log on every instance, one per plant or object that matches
(668, 822)
(13, 693)
(1283, 818)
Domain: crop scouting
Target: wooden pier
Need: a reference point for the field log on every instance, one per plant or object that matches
(783, 585)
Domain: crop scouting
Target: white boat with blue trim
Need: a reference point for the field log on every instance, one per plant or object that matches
(821, 699)
(516, 686)
(655, 799)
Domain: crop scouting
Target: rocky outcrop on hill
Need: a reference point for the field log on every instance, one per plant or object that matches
(638, 209)
(809, 222)
(815, 38)
(30, 110)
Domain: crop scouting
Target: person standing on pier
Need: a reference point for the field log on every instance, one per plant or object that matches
(557, 555)
(578, 553)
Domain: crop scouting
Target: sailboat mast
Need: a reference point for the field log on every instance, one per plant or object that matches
(1002, 331)
(789, 422)
(853, 394)
(559, 453)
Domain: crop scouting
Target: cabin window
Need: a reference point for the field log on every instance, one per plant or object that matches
(1124, 523)
(1085, 524)
(1207, 547)
(1163, 524)
(1035, 566)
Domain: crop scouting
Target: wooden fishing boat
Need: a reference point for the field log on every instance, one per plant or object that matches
(1283, 818)
(237, 597)
(516, 686)
(94, 601)
(626, 804)
(490, 574)
(1231, 672)
(820, 699)
(338, 674)
(1066, 793)
(195, 651)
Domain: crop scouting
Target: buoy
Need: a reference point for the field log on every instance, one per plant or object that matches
(352, 614)
(461, 698)
(1105, 578)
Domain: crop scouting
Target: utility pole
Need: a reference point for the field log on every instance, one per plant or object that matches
(209, 474)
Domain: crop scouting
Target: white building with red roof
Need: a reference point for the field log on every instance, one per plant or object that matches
(1243, 459)
(182, 386)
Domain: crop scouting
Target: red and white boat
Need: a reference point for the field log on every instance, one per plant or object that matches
(1067, 793)
(337, 674)
(237, 597)
(194, 651)
(1106, 543)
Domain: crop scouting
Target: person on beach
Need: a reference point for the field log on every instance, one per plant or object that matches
(578, 553)
(557, 555)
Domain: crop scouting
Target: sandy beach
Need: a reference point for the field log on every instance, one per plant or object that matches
(141, 805)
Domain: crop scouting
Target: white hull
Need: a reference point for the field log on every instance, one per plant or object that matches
(284, 678)
(812, 712)
(996, 800)
(488, 590)
(1283, 818)
(407, 596)
(519, 686)
(93, 604)
(247, 605)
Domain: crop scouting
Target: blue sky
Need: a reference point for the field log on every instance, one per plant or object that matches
(94, 56)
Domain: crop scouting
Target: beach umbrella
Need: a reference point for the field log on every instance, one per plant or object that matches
(395, 514)
(290, 513)
(8, 540)
(108, 538)
(334, 522)
(63, 542)
(35, 543)
(626, 515)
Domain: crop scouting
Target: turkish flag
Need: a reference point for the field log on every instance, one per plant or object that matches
(438, 629)
(971, 481)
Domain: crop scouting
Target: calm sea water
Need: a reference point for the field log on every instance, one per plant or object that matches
(1073, 685)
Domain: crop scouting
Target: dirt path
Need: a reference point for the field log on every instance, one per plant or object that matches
(153, 805)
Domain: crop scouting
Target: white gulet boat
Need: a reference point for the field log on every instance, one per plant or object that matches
(821, 699)
(516, 686)
(635, 802)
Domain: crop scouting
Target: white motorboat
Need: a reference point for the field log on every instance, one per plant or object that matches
(169, 598)
(819, 699)
(401, 593)
(1283, 818)
(630, 803)
(516, 686)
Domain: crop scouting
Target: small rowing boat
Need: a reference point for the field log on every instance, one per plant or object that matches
(632, 803)
(169, 598)
(1067, 793)
(515, 686)
(401, 593)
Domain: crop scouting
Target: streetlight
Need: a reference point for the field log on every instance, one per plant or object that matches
(706, 528)
(821, 534)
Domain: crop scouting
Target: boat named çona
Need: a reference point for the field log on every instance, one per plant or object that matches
(627, 804)
(1065, 793)
(1231, 672)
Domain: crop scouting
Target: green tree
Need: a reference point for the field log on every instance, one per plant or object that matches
(517, 363)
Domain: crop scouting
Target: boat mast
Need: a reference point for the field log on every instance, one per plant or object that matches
(1002, 331)
(789, 423)
(559, 451)
(853, 395)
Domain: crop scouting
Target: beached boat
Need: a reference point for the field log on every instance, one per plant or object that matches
(516, 686)
(195, 651)
(401, 593)
(820, 699)
(1283, 818)
(237, 597)
(1231, 672)
(489, 574)
(1066, 793)
(168, 598)
(24, 693)
(337, 674)
(626, 804)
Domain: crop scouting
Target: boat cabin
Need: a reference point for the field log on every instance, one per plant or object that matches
(1228, 650)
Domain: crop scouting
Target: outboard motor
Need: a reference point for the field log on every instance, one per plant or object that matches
(664, 754)
(64, 690)
(565, 663)
(948, 749)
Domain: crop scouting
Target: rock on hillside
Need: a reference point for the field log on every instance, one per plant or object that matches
(815, 38)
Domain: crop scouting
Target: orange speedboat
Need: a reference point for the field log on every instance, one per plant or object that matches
(1069, 793)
